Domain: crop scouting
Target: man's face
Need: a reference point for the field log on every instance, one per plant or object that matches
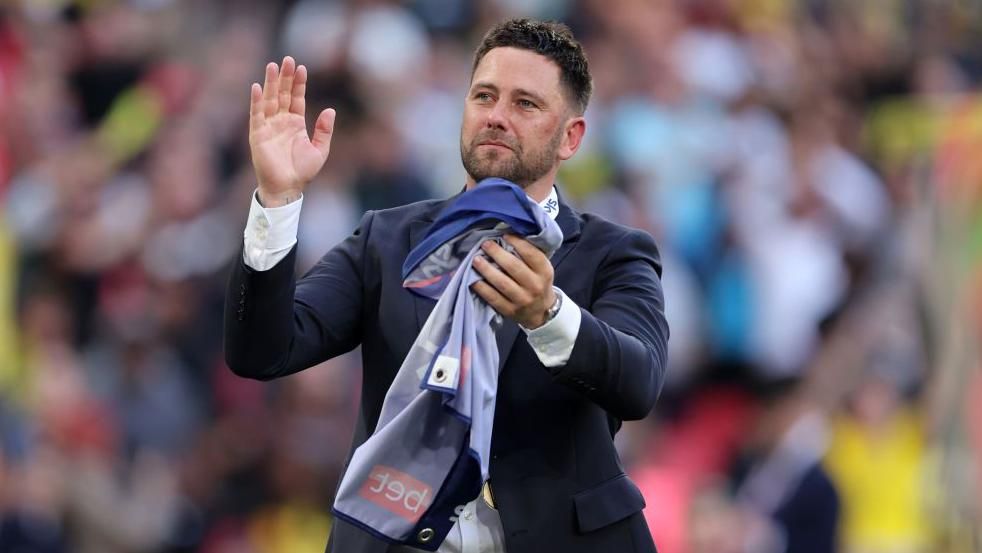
(515, 117)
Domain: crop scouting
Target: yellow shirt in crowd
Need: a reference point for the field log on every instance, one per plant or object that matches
(881, 481)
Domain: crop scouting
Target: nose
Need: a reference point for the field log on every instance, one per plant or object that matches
(497, 116)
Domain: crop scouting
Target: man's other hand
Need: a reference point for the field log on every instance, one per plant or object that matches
(520, 287)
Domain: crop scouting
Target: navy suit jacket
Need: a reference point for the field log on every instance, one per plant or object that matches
(557, 480)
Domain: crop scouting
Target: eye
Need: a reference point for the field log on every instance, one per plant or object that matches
(525, 103)
(483, 97)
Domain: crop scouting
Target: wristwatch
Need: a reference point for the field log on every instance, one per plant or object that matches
(554, 310)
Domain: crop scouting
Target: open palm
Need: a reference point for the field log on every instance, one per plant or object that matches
(284, 156)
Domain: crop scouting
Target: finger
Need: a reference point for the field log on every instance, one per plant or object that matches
(500, 281)
(324, 130)
(256, 115)
(493, 298)
(297, 101)
(534, 257)
(270, 89)
(511, 264)
(287, 72)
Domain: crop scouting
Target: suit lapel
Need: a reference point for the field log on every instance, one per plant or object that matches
(505, 337)
(570, 223)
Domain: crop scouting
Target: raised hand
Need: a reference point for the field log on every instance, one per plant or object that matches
(284, 156)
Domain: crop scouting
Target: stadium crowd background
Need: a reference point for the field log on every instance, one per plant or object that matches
(812, 171)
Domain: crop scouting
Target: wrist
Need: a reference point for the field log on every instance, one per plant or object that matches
(550, 313)
(278, 199)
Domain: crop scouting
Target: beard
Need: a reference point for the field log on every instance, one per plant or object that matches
(518, 166)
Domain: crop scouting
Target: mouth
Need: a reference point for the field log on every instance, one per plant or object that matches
(492, 143)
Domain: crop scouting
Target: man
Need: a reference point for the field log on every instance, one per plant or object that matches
(584, 343)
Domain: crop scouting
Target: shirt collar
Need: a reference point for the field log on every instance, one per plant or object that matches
(551, 204)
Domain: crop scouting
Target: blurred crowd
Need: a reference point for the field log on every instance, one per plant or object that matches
(811, 170)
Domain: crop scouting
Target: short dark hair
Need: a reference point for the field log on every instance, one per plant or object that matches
(551, 39)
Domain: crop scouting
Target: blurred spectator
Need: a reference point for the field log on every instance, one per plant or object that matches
(878, 458)
(785, 495)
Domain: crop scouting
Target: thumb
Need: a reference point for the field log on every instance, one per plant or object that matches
(324, 130)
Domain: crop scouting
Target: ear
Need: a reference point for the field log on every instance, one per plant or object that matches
(573, 133)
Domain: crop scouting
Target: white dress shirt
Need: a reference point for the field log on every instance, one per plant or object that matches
(271, 233)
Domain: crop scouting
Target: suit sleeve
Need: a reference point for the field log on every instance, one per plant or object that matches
(276, 326)
(621, 351)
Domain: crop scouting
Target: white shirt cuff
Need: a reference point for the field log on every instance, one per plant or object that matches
(270, 233)
(553, 342)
